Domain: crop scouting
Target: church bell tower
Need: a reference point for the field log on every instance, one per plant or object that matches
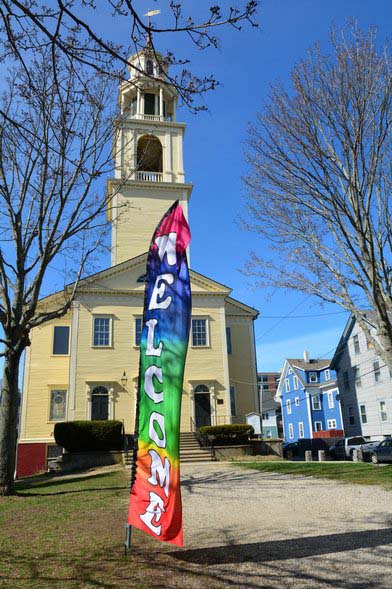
(148, 156)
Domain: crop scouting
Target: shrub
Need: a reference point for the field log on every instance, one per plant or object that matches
(81, 436)
(235, 433)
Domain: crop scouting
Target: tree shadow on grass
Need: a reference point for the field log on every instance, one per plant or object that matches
(26, 489)
(260, 552)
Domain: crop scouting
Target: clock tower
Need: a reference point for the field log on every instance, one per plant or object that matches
(148, 156)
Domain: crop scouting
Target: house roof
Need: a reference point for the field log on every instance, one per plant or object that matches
(368, 316)
(268, 402)
(313, 364)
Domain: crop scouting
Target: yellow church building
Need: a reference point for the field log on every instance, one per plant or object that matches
(85, 365)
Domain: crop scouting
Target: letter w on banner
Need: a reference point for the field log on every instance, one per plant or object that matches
(155, 502)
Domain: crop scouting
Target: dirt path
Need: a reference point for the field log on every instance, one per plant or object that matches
(257, 530)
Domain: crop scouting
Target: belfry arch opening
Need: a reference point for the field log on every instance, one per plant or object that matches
(149, 154)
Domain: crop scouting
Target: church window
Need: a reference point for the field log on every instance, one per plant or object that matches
(138, 330)
(61, 340)
(149, 154)
(149, 67)
(199, 333)
(228, 339)
(102, 331)
(58, 400)
(149, 104)
(232, 400)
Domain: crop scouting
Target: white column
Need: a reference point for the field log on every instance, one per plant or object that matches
(89, 402)
(111, 403)
(168, 158)
(192, 405)
(73, 360)
(161, 103)
(138, 103)
(174, 110)
(214, 420)
(180, 163)
(134, 154)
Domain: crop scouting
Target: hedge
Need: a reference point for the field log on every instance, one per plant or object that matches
(235, 433)
(82, 436)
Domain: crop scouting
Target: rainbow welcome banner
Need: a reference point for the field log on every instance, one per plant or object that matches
(155, 501)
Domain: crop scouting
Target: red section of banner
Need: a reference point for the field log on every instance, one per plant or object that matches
(175, 222)
(153, 511)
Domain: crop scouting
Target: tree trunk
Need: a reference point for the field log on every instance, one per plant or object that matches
(9, 422)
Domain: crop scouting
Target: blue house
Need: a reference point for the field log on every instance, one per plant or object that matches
(309, 396)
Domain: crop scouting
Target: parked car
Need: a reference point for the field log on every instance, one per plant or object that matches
(344, 448)
(382, 452)
(290, 449)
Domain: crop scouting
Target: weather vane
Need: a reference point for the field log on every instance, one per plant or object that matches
(149, 14)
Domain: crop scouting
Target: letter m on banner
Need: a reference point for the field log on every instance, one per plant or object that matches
(155, 502)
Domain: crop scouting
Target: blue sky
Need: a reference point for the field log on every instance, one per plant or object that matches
(246, 64)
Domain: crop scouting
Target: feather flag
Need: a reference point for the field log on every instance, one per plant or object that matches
(155, 501)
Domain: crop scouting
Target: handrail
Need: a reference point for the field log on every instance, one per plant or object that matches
(203, 440)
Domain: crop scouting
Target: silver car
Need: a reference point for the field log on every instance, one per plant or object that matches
(382, 452)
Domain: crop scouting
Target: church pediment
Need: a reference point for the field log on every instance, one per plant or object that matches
(129, 277)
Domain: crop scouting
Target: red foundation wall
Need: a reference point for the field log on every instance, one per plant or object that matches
(331, 433)
(31, 459)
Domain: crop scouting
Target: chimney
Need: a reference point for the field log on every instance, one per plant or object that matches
(306, 356)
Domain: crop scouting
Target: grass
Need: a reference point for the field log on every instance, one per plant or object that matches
(68, 533)
(356, 473)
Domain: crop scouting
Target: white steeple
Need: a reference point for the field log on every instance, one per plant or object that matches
(148, 152)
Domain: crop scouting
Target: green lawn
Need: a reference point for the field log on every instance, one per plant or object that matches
(69, 534)
(347, 472)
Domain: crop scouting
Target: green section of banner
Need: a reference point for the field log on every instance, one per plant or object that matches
(171, 362)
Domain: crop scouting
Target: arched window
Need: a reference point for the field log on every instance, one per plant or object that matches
(149, 154)
(100, 403)
(149, 67)
(202, 388)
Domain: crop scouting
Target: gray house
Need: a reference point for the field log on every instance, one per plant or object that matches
(365, 385)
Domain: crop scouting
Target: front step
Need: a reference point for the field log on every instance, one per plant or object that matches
(190, 450)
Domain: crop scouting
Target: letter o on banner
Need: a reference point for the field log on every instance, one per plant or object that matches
(152, 432)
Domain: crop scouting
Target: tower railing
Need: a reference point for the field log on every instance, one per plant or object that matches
(149, 176)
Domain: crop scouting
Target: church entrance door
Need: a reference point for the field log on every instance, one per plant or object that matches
(202, 406)
(100, 403)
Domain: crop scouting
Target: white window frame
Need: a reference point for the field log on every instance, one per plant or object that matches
(327, 374)
(317, 396)
(288, 406)
(69, 338)
(136, 318)
(102, 316)
(290, 370)
(331, 423)
(287, 384)
(313, 377)
(356, 344)
(331, 400)
(377, 371)
(57, 390)
(315, 426)
(301, 431)
(296, 382)
(296, 401)
(363, 413)
(291, 430)
(383, 411)
(206, 319)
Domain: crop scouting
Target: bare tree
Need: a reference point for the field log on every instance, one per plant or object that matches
(23, 23)
(54, 132)
(319, 183)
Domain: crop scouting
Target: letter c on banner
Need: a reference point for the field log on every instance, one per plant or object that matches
(152, 432)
